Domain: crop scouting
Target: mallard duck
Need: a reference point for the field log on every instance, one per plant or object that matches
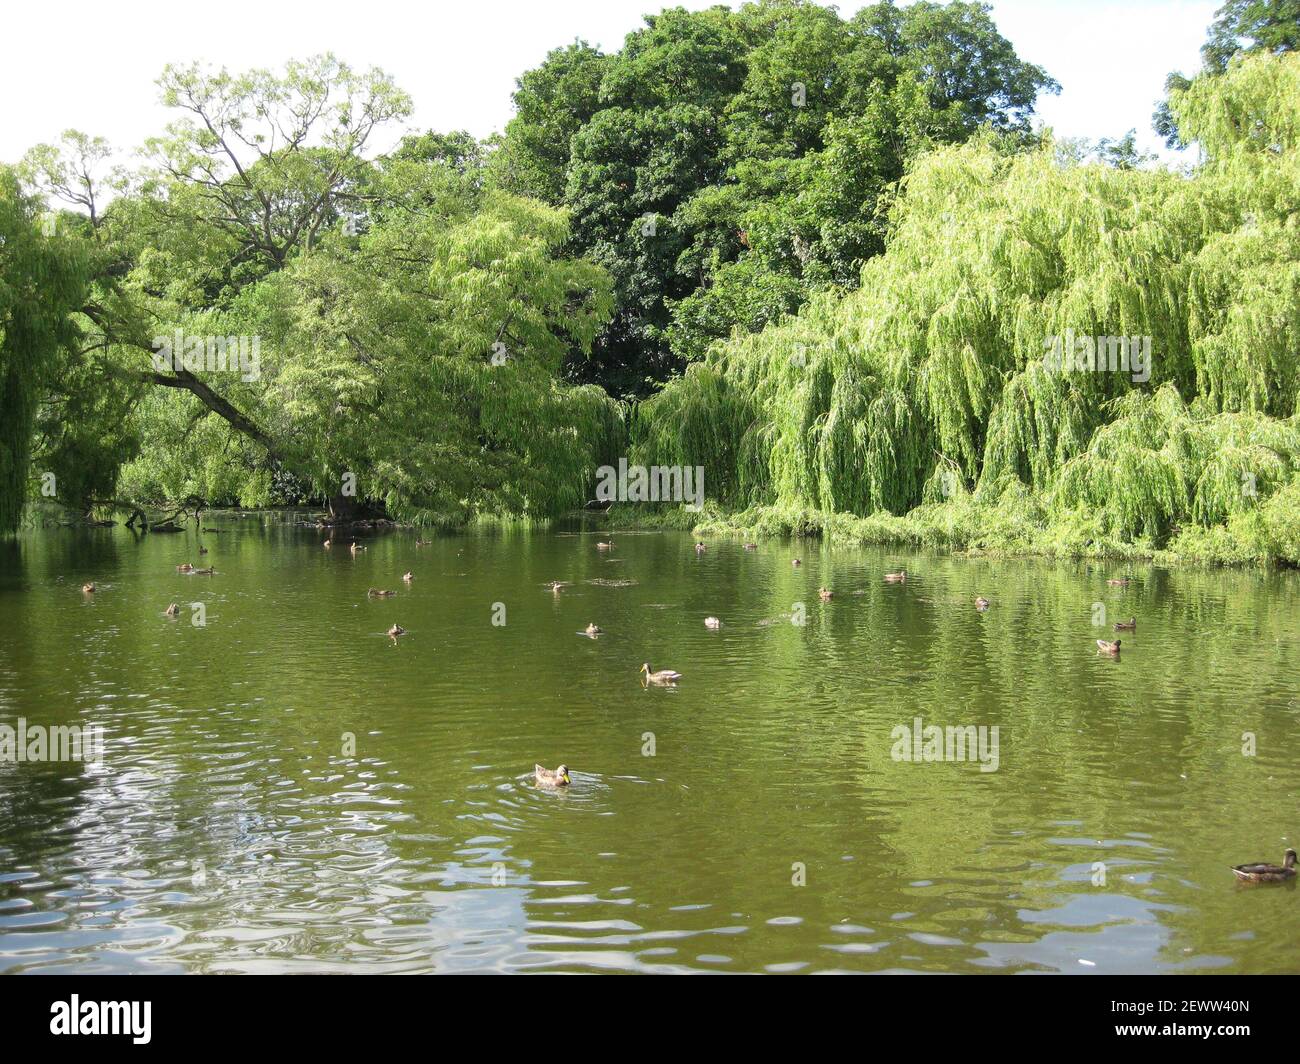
(712, 622)
(796, 562)
(203, 550)
(825, 594)
(407, 577)
(663, 676)
(396, 630)
(89, 589)
(751, 546)
(1127, 626)
(328, 544)
(700, 548)
(604, 546)
(981, 603)
(546, 778)
(186, 568)
(1107, 647)
(174, 610)
(202, 572)
(1267, 873)
(1121, 582)
(374, 592)
(423, 542)
(357, 548)
(896, 578)
(592, 629)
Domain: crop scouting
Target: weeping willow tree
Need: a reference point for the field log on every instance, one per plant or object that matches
(1113, 350)
(42, 280)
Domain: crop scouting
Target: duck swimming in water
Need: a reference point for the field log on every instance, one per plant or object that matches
(896, 578)
(662, 676)
(592, 629)
(981, 603)
(174, 610)
(396, 630)
(1109, 648)
(186, 568)
(89, 589)
(700, 548)
(357, 548)
(327, 544)
(1267, 873)
(546, 778)
(825, 594)
(407, 577)
(1123, 582)
(374, 592)
(712, 622)
(604, 546)
(751, 546)
(796, 562)
(1127, 626)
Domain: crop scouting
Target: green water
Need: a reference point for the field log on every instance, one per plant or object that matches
(230, 826)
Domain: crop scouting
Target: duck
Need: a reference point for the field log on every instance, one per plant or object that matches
(604, 546)
(374, 592)
(546, 778)
(357, 548)
(1118, 582)
(1107, 647)
(186, 568)
(751, 546)
(556, 586)
(662, 676)
(423, 542)
(712, 622)
(328, 544)
(396, 630)
(1267, 873)
(981, 603)
(407, 577)
(593, 629)
(202, 572)
(896, 578)
(89, 589)
(1127, 626)
(700, 548)
(203, 550)
(796, 562)
(174, 610)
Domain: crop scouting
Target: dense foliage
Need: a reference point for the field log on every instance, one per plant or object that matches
(725, 165)
(930, 387)
(858, 285)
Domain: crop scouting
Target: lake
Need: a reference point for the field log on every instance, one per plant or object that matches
(283, 788)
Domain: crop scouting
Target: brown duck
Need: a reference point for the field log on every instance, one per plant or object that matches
(1267, 873)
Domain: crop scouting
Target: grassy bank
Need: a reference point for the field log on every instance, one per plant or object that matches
(1266, 535)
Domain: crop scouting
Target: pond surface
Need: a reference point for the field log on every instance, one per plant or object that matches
(284, 788)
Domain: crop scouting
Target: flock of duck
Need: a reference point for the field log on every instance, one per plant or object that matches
(1258, 872)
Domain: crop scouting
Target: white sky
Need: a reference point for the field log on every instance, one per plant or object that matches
(79, 64)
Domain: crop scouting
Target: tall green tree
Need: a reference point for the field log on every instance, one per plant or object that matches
(1239, 26)
(723, 165)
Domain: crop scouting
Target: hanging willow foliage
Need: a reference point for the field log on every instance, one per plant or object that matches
(42, 280)
(939, 378)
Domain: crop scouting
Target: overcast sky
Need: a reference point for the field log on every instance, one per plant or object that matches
(91, 67)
